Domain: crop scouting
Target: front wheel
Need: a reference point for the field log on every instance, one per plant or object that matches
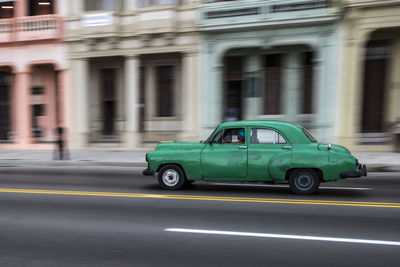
(171, 177)
(304, 182)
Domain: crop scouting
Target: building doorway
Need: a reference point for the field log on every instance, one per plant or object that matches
(375, 76)
(43, 103)
(5, 97)
(108, 100)
(233, 84)
(273, 73)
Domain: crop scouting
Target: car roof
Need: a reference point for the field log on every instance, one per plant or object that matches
(290, 130)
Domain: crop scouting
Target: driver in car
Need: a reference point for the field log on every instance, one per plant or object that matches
(240, 138)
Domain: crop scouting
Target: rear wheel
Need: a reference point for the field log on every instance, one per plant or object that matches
(171, 177)
(304, 181)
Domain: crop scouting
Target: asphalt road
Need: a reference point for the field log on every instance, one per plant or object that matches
(54, 217)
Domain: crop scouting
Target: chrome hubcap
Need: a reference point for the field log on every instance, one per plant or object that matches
(170, 177)
(304, 182)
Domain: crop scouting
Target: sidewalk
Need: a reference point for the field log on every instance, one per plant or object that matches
(77, 158)
(375, 161)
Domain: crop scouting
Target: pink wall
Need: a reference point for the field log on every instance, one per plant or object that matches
(34, 51)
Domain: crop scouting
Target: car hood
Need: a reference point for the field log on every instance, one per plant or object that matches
(179, 146)
(334, 148)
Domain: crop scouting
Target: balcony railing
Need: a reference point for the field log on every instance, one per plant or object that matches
(6, 30)
(33, 28)
(217, 14)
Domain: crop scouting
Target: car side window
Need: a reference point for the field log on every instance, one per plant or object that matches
(265, 136)
(230, 136)
(234, 136)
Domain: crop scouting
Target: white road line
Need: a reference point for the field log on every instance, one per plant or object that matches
(300, 237)
(286, 186)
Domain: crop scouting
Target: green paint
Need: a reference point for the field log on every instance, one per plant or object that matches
(254, 162)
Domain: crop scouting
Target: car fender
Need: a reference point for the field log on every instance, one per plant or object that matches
(189, 160)
(279, 165)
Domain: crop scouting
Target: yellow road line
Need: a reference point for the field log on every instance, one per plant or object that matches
(209, 198)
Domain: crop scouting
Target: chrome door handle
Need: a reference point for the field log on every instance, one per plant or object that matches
(287, 147)
(242, 147)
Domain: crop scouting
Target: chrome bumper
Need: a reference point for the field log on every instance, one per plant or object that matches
(361, 171)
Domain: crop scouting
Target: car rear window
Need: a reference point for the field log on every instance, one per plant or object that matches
(266, 136)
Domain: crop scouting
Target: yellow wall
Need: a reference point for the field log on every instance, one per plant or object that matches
(361, 19)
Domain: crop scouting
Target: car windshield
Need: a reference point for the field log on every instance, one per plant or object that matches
(209, 138)
(312, 139)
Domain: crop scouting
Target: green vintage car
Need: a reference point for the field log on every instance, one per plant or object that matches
(254, 151)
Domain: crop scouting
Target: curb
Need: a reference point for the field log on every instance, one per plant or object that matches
(71, 164)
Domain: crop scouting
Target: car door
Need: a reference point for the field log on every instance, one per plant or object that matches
(225, 156)
(267, 149)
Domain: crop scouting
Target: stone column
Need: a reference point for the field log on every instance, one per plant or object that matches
(189, 96)
(77, 7)
(61, 101)
(216, 96)
(211, 93)
(21, 8)
(132, 137)
(24, 111)
(252, 99)
(350, 111)
(291, 85)
(61, 7)
(129, 5)
(393, 96)
(79, 104)
(321, 90)
(150, 94)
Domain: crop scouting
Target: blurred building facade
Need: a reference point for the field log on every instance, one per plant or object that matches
(370, 91)
(33, 70)
(131, 72)
(270, 60)
(134, 71)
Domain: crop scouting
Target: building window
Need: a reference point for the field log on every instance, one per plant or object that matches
(165, 91)
(142, 3)
(37, 90)
(273, 84)
(5, 105)
(6, 9)
(92, 5)
(307, 88)
(41, 7)
(38, 110)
